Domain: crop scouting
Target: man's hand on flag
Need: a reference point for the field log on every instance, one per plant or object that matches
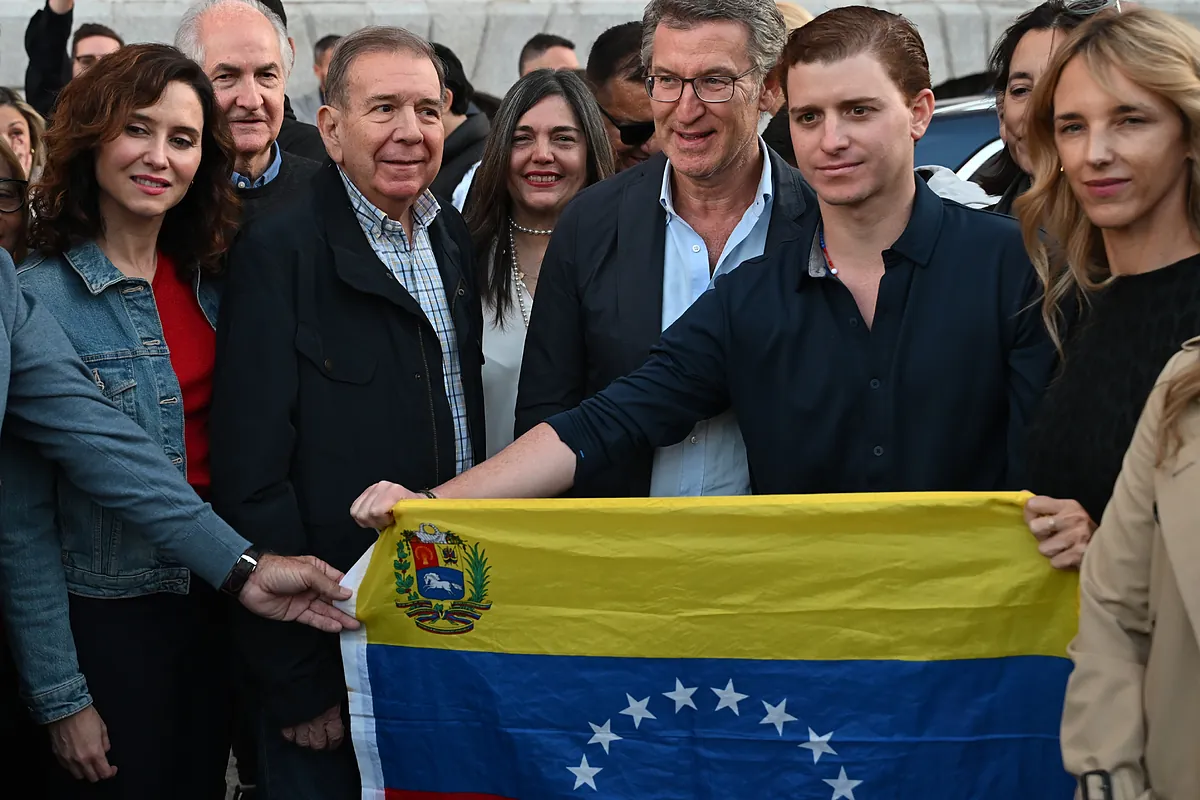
(326, 732)
(373, 508)
(1062, 528)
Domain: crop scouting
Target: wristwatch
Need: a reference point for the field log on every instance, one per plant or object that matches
(242, 570)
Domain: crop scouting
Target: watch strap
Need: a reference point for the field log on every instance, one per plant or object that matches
(243, 568)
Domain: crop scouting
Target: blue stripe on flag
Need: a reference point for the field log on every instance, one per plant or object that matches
(521, 726)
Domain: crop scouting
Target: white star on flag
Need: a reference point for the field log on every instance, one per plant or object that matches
(777, 715)
(586, 774)
(637, 709)
(842, 787)
(729, 698)
(682, 696)
(818, 744)
(603, 735)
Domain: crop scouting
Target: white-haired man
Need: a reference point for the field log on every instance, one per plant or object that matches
(243, 47)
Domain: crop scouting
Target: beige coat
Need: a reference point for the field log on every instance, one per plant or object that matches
(1133, 701)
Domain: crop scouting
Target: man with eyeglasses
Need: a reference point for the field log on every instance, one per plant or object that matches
(49, 68)
(632, 253)
(618, 82)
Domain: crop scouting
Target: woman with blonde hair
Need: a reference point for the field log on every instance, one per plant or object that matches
(23, 130)
(1113, 140)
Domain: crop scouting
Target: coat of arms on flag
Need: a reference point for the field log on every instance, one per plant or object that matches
(442, 582)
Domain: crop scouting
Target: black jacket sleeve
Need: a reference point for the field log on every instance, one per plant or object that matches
(296, 669)
(684, 381)
(49, 67)
(554, 366)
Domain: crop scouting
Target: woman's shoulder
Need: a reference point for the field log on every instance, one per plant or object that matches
(1188, 356)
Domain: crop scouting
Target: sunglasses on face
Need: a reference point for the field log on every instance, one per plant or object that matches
(633, 134)
(12, 195)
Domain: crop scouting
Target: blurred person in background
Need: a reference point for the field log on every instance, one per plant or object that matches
(133, 218)
(295, 136)
(14, 214)
(777, 131)
(1016, 65)
(547, 51)
(23, 130)
(308, 104)
(548, 143)
(466, 132)
(618, 81)
(50, 66)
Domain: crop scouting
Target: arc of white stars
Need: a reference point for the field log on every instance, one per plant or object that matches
(637, 709)
(842, 786)
(729, 698)
(585, 774)
(603, 735)
(682, 696)
(777, 715)
(818, 745)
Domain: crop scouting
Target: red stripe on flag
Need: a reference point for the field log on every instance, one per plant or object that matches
(405, 794)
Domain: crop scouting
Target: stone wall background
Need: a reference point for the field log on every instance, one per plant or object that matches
(487, 35)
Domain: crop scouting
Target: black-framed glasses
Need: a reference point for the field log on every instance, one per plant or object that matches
(633, 134)
(12, 195)
(709, 88)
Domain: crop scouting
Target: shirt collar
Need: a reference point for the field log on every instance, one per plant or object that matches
(243, 182)
(765, 190)
(921, 234)
(371, 217)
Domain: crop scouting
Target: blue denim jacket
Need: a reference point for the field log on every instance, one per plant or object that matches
(114, 326)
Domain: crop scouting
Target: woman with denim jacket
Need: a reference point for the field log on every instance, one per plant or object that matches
(131, 221)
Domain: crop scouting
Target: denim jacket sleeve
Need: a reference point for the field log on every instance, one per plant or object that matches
(53, 403)
(33, 586)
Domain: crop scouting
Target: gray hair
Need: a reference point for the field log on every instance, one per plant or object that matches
(374, 39)
(768, 32)
(187, 37)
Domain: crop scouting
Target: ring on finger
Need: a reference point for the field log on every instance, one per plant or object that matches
(1052, 524)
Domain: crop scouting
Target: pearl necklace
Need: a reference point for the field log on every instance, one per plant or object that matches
(529, 231)
(519, 276)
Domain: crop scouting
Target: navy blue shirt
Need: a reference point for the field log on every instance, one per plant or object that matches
(934, 396)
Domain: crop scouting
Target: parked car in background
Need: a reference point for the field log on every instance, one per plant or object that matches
(963, 136)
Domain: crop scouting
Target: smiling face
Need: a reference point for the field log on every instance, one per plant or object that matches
(1029, 61)
(242, 57)
(1123, 148)
(706, 140)
(853, 130)
(548, 162)
(627, 102)
(147, 169)
(388, 139)
(15, 130)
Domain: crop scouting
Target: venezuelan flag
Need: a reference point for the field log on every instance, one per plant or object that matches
(909, 647)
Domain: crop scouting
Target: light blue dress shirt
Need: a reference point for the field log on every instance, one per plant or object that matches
(711, 460)
(242, 182)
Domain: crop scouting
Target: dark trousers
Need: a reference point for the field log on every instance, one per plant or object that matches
(25, 758)
(158, 670)
(287, 771)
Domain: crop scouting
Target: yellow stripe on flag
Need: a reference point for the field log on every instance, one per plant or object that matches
(885, 576)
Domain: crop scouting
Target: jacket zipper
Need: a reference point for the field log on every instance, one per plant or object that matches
(437, 467)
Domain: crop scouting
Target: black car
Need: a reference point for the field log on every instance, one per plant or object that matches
(963, 136)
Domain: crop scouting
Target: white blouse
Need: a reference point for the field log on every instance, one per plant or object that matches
(503, 348)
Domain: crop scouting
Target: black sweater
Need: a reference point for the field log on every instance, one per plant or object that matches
(1112, 357)
(295, 173)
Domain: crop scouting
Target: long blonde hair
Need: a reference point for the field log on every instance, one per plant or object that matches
(1155, 50)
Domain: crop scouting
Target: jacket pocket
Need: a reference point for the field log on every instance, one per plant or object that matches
(342, 363)
(115, 380)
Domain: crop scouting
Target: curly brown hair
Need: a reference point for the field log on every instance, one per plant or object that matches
(94, 109)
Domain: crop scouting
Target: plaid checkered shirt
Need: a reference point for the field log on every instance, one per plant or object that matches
(415, 267)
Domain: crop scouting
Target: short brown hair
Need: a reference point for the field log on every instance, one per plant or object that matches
(94, 109)
(842, 33)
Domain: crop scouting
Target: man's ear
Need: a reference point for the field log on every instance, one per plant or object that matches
(448, 100)
(772, 93)
(329, 123)
(922, 113)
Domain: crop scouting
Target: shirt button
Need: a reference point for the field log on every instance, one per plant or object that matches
(695, 248)
(329, 365)
(417, 376)
(874, 383)
(878, 450)
(462, 292)
(693, 440)
(241, 184)
(854, 322)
